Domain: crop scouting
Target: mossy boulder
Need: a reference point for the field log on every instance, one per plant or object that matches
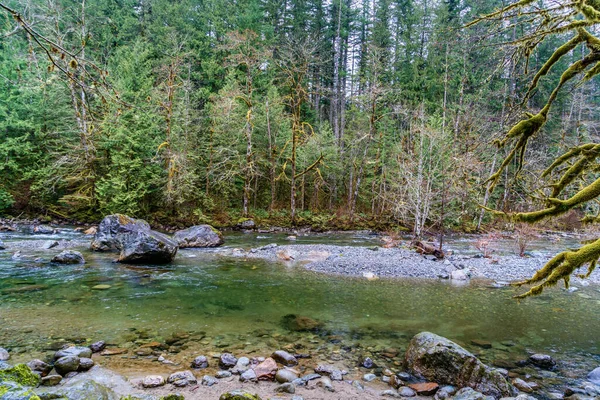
(239, 395)
(440, 360)
(13, 391)
(20, 374)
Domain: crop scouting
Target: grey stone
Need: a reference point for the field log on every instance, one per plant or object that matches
(78, 351)
(4, 354)
(468, 393)
(182, 378)
(198, 236)
(285, 358)
(326, 384)
(438, 359)
(223, 374)
(389, 393)
(208, 380)
(543, 361)
(358, 385)
(285, 375)
(593, 376)
(152, 381)
(227, 360)
(85, 363)
(68, 257)
(522, 385)
(286, 388)
(66, 364)
(366, 362)
(39, 367)
(98, 346)
(200, 362)
(51, 380)
(405, 391)
(242, 365)
(369, 377)
(248, 376)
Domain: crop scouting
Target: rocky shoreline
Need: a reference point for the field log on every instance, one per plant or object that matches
(431, 367)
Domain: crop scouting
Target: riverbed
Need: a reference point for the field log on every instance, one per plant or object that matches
(239, 304)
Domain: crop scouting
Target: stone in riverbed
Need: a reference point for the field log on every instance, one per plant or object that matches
(522, 385)
(68, 257)
(227, 360)
(78, 351)
(438, 359)
(266, 370)
(200, 362)
(543, 361)
(239, 395)
(594, 376)
(98, 346)
(299, 323)
(248, 376)
(208, 380)
(405, 391)
(43, 230)
(285, 375)
(51, 380)
(285, 358)
(242, 365)
(2, 247)
(182, 378)
(223, 374)
(198, 236)
(66, 364)
(39, 367)
(152, 381)
(366, 362)
(326, 384)
(369, 377)
(286, 388)
(468, 393)
(4, 354)
(85, 364)
(425, 389)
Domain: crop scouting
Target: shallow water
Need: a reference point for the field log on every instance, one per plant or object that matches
(234, 303)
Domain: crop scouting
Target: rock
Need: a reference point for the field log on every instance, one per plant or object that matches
(266, 370)
(85, 363)
(43, 230)
(113, 351)
(326, 384)
(366, 362)
(481, 343)
(445, 392)
(91, 231)
(297, 398)
(358, 385)
(68, 257)
(98, 346)
(198, 236)
(227, 360)
(78, 351)
(4, 355)
(286, 388)
(71, 374)
(299, 323)
(285, 375)
(39, 367)
(20, 374)
(101, 287)
(152, 381)
(389, 393)
(285, 358)
(242, 365)
(369, 377)
(134, 238)
(49, 244)
(51, 380)
(395, 381)
(182, 378)
(468, 393)
(438, 359)
(66, 364)
(247, 224)
(543, 361)
(593, 376)
(459, 275)
(223, 374)
(425, 389)
(248, 376)
(405, 391)
(522, 385)
(200, 362)
(239, 395)
(2, 246)
(208, 380)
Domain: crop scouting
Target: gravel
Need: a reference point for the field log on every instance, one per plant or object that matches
(379, 262)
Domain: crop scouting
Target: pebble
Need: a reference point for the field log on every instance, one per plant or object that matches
(182, 378)
(223, 374)
(369, 377)
(152, 381)
(389, 393)
(227, 360)
(208, 380)
(4, 355)
(286, 388)
(405, 391)
(522, 385)
(98, 346)
(200, 362)
(366, 362)
(248, 376)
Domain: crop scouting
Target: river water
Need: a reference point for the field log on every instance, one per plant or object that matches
(238, 305)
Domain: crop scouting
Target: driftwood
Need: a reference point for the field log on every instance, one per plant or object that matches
(426, 248)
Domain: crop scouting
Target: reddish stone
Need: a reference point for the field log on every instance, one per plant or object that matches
(266, 370)
(425, 389)
(113, 351)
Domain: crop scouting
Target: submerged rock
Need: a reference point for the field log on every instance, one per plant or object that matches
(299, 323)
(438, 359)
(198, 236)
(68, 257)
(43, 230)
(543, 361)
(134, 238)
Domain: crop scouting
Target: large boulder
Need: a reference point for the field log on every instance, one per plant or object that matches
(134, 238)
(198, 236)
(440, 360)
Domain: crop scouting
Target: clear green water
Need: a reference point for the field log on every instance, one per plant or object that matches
(239, 304)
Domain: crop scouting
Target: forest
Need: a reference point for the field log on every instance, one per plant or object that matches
(330, 114)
